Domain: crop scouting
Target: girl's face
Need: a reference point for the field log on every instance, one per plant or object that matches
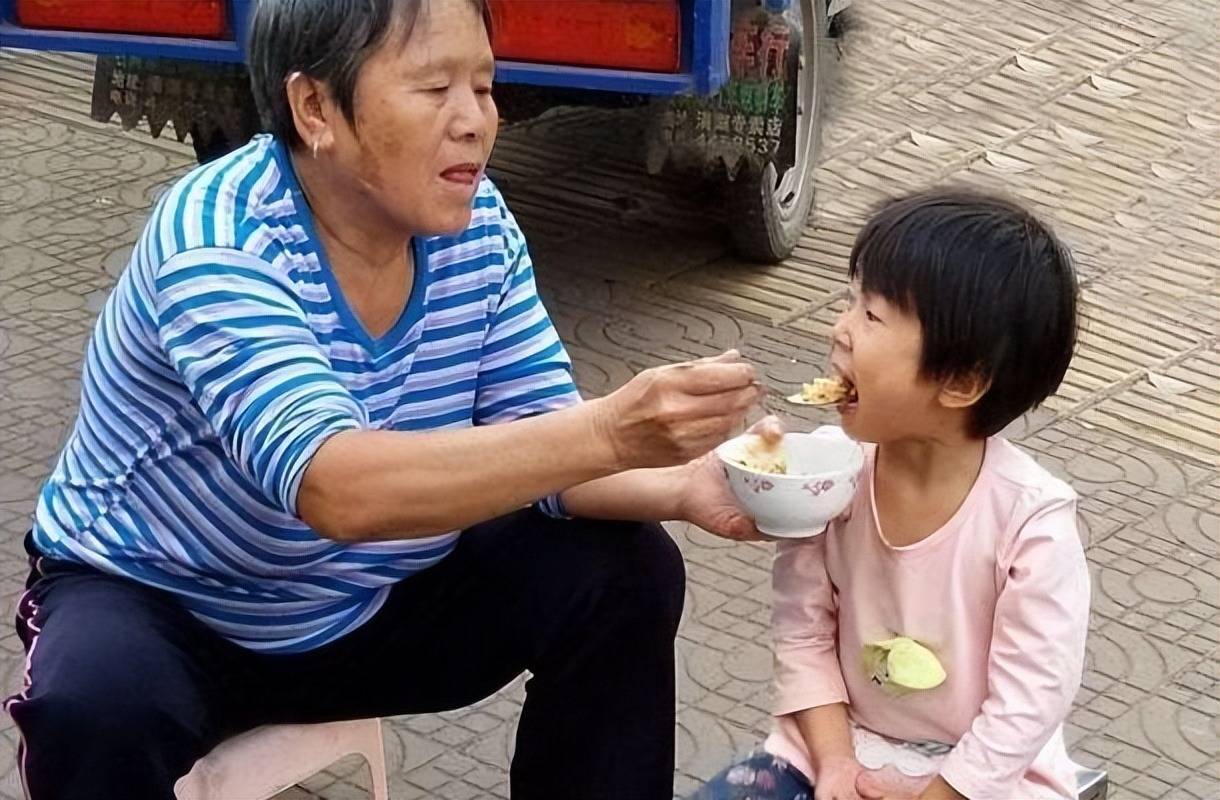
(877, 349)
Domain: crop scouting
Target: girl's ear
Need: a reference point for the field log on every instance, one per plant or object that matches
(963, 391)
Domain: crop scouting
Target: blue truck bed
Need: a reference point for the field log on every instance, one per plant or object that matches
(742, 105)
(705, 57)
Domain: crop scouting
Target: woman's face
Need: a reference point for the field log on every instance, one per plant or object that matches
(425, 121)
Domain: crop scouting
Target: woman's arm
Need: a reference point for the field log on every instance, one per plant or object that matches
(382, 484)
(638, 495)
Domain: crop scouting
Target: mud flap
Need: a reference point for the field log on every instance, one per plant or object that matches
(751, 121)
(188, 94)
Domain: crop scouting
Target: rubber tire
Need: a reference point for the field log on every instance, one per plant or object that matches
(760, 229)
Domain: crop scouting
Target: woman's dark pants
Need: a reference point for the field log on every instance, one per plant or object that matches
(126, 689)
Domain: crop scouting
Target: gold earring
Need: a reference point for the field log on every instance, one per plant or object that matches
(315, 148)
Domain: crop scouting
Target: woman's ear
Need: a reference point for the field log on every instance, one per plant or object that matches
(312, 111)
(963, 391)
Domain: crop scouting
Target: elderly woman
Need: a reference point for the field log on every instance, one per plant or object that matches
(330, 462)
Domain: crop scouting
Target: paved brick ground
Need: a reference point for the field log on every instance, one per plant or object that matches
(1104, 114)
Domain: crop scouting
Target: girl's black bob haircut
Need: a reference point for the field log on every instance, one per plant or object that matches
(994, 290)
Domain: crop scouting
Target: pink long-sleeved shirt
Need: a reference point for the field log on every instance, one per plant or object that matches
(1000, 595)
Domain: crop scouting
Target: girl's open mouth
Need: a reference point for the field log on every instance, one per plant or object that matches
(852, 400)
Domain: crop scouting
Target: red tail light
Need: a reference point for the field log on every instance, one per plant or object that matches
(620, 34)
(197, 18)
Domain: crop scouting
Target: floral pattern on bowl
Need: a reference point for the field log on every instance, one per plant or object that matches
(759, 484)
(818, 488)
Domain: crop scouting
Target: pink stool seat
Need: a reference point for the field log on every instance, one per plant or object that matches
(261, 763)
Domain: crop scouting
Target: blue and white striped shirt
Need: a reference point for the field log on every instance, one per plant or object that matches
(226, 356)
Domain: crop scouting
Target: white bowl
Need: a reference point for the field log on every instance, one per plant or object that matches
(822, 471)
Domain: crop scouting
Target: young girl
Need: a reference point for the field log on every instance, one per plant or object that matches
(930, 642)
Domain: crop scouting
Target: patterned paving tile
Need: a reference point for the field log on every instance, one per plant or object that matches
(1102, 114)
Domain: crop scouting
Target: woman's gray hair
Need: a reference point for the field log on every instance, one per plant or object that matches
(328, 40)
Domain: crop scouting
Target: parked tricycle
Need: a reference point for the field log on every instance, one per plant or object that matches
(733, 88)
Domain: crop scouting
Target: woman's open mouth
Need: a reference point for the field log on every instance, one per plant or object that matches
(462, 174)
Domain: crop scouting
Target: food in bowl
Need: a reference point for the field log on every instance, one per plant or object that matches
(760, 455)
(819, 480)
(823, 392)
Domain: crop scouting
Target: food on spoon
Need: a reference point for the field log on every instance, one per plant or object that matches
(759, 455)
(822, 392)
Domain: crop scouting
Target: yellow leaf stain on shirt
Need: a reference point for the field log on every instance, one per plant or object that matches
(902, 665)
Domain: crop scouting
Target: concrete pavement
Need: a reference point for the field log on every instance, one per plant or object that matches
(1102, 114)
